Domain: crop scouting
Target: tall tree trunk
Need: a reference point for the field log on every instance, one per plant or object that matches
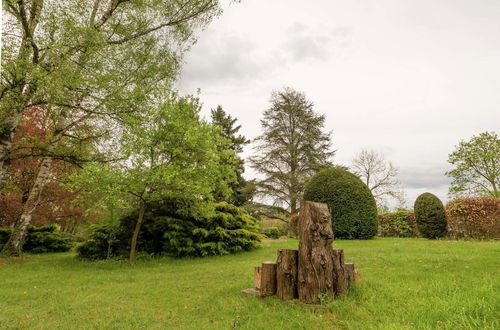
(14, 246)
(133, 242)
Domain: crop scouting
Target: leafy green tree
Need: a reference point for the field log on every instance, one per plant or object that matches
(90, 57)
(291, 149)
(166, 153)
(242, 190)
(476, 169)
(86, 61)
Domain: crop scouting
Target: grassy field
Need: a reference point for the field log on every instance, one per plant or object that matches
(406, 283)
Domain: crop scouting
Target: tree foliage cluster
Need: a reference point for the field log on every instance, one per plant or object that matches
(167, 231)
(430, 216)
(292, 147)
(353, 208)
(476, 169)
(86, 67)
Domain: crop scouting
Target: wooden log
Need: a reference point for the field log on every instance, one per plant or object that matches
(257, 277)
(293, 225)
(268, 279)
(316, 277)
(286, 274)
(349, 267)
(340, 277)
(357, 276)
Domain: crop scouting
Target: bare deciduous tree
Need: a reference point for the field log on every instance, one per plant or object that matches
(379, 175)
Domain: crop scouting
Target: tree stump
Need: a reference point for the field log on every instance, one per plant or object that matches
(268, 279)
(316, 268)
(286, 274)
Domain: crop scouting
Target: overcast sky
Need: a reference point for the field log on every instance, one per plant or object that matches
(408, 78)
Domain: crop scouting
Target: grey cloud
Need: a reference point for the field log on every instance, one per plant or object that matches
(424, 177)
(221, 59)
(308, 43)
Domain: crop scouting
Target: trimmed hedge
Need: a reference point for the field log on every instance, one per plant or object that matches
(474, 218)
(397, 224)
(430, 216)
(351, 203)
(228, 230)
(43, 239)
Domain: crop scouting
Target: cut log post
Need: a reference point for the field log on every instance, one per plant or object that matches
(257, 277)
(286, 274)
(357, 276)
(268, 279)
(341, 280)
(316, 277)
(349, 267)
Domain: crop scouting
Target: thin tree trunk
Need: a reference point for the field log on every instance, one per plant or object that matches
(14, 246)
(133, 242)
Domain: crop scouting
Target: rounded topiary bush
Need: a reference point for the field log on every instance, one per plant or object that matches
(351, 203)
(430, 216)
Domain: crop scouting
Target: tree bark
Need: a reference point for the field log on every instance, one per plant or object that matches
(286, 274)
(316, 269)
(268, 279)
(349, 267)
(133, 242)
(14, 246)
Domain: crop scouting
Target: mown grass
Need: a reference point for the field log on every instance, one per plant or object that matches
(406, 283)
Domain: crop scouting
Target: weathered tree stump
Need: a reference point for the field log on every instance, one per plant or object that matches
(314, 273)
(286, 274)
(316, 269)
(268, 279)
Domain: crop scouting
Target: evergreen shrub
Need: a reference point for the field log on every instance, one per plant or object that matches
(228, 229)
(351, 203)
(430, 216)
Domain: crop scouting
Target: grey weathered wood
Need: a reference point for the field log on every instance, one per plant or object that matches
(349, 267)
(268, 279)
(316, 277)
(286, 274)
(341, 280)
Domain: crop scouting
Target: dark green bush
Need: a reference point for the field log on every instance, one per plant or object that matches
(102, 243)
(353, 208)
(273, 232)
(228, 230)
(42, 239)
(4, 236)
(397, 224)
(45, 241)
(430, 216)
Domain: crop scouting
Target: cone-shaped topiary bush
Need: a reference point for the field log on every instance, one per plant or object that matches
(351, 203)
(430, 216)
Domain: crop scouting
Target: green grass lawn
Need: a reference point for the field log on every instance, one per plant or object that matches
(406, 283)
